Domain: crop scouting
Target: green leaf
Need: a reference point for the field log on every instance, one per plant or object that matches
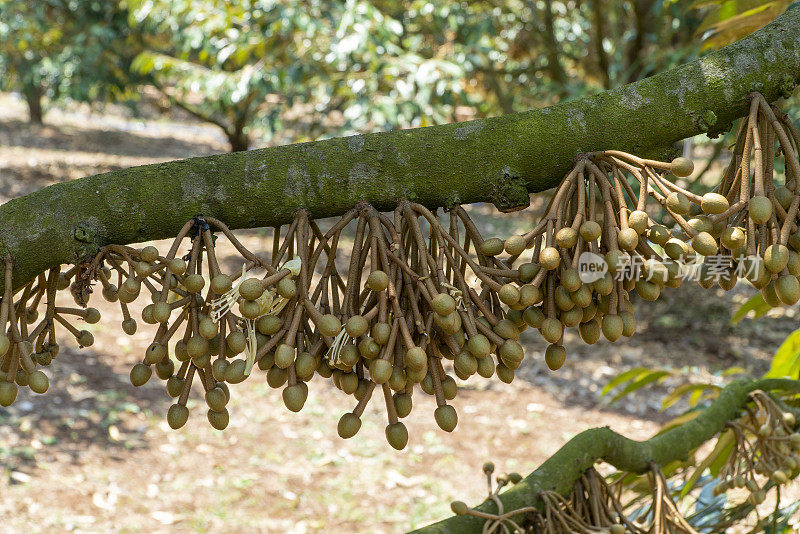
(724, 444)
(684, 418)
(681, 391)
(786, 361)
(695, 397)
(733, 371)
(143, 63)
(699, 4)
(755, 304)
(623, 377)
(728, 20)
(640, 382)
(724, 454)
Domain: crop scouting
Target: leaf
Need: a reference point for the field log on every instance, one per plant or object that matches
(694, 398)
(725, 22)
(623, 377)
(143, 63)
(786, 361)
(730, 20)
(699, 4)
(725, 442)
(674, 467)
(681, 391)
(681, 419)
(716, 466)
(733, 371)
(640, 382)
(755, 304)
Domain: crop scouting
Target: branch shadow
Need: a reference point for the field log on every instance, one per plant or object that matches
(90, 405)
(38, 156)
(108, 140)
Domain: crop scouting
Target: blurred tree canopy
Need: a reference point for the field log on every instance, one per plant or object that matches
(78, 49)
(232, 63)
(388, 64)
(284, 71)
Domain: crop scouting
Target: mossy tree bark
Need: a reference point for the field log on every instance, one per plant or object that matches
(497, 160)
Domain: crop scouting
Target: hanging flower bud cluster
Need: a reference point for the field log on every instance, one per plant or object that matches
(593, 507)
(28, 339)
(758, 225)
(766, 449)
(619, 223)
(420, 296)
(416, 305)
(589, 220)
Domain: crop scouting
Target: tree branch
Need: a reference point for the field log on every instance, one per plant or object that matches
(560, 471)
(498, 160)
(193, 112)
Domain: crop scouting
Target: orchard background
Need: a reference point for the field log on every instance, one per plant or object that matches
(181, 79)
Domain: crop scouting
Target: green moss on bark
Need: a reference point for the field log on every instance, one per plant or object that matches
(561, 470)
(486, 160)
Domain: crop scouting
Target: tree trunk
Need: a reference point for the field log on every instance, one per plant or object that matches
(645, 23)
(238, 140)
(498, 159)
(603, 63)
(495, 85)
(553, 51)
(33, 96)
(237, 137)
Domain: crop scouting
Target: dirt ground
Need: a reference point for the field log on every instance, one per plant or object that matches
(95, 454)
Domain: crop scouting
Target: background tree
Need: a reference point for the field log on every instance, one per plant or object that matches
(383, 65)
(78, 49)
(253, 66)
(232, 64)
(500, 160)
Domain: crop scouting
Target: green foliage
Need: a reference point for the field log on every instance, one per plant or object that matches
(634, 379)
(316, 69)
(407, 64)
(713, 462)
(755, 304)
(246, 63)
(366, 65)
(695, 392)
(418, 62)
(57, 48)
(232, 62)
(786, 361)
(727, 21)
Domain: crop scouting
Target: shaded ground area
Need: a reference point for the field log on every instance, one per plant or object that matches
(95, 455)
(81, 142)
